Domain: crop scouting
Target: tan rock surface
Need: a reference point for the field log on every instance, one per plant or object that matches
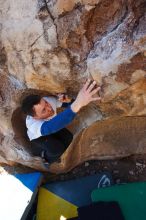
(107, 139)
(53, 46)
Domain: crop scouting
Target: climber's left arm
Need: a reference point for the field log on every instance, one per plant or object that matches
(65, 100)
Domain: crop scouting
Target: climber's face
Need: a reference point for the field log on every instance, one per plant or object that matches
(43, 110)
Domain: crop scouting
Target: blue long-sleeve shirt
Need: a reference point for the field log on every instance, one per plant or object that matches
(37, 128)
(58, 122)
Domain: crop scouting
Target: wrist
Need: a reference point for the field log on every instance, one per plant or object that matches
(75, 107)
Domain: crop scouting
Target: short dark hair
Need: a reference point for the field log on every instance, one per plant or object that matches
(28, 103)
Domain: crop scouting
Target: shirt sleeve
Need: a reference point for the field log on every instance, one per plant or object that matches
(66, 104)
(58, 103)
(34, 130)
(58, 122)
(53, 101)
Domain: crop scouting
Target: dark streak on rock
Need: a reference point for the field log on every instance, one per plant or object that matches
(124, 74)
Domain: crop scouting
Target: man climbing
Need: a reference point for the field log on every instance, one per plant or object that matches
(46, 129)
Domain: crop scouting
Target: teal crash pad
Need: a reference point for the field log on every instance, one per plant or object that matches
(131, 198)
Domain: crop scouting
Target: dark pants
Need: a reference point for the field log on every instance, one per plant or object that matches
(53, 145)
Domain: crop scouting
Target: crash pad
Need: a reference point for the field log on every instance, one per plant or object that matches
(61, 199)
(131, 198)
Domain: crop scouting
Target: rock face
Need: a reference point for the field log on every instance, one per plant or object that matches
(108, 139)
(53, 46)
